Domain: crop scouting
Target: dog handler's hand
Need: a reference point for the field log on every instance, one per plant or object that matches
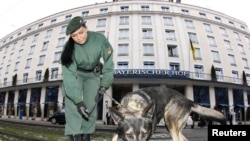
(82, 109)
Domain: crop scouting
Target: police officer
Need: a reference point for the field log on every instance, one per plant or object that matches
(81, 77)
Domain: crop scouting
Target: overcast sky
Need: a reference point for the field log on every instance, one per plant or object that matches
(17, 13)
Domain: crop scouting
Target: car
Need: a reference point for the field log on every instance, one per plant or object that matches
(57, 117)
(189, 122)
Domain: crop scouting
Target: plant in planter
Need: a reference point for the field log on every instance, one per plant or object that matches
(213, 74)
(244, 78)
(46, 75)
(14, 80)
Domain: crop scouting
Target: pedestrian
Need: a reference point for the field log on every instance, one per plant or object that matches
(84, 80)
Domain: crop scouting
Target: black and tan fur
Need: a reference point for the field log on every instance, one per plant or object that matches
(141, 110)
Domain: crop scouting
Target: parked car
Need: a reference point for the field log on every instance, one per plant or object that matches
(57, 117)
(190, 122)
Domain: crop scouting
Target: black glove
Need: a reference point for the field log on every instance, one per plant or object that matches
(101, 91)
(82, 109)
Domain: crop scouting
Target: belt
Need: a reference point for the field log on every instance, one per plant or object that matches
(83, 70)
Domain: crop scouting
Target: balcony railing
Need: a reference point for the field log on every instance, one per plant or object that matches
(192, 75)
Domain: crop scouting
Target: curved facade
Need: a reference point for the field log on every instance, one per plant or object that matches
(152, 46)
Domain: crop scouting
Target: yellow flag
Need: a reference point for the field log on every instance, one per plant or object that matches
(192, 49)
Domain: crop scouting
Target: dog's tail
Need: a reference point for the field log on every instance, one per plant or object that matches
(209, 113)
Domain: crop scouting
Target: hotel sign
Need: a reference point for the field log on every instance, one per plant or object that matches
(151, 73)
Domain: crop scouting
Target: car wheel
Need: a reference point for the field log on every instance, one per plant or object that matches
(53, 120)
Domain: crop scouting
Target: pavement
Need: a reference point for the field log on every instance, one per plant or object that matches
(161, 134)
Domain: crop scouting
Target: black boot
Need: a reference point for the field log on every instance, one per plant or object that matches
(75, 137)
(86, 137)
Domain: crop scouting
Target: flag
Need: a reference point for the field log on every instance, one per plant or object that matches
(193, 50)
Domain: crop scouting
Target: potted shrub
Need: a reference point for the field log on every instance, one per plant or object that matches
(213, 74)
(46, 75)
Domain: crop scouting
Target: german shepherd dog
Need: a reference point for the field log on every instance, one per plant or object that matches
(140, 111)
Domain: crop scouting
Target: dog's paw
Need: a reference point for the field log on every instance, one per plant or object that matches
(115, 137)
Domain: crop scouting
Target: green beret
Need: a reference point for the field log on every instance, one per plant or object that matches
(74, 24)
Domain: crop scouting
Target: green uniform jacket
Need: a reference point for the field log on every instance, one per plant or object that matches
(86, 57)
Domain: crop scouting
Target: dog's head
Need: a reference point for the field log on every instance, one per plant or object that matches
(133, 127)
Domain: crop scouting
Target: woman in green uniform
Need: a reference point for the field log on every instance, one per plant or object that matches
(81, 77)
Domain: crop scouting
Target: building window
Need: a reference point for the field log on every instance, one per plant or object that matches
(170, 35)
(185, 11)
(231, 23)
(235, 76)
(124, 8)
(11, 57)
(172, 51)
(189, 24)
(203, 15)
(24, 41)
(3, 60)
(193, 38)
(57, 57)
(32, 50)
(35, 38)
(68, 17)
(103, 10)
(49, 33)
(124, 20)
(45, 46)
(123, 34)
(53, 21)
(227, 45)
(211, 41)
(165, 9)
(223, 32)
(54, 73)
(25, 77)
(101, 23)
(7, 69)
(241, 49)
(60, 42)
(148, 65)
(207, 27)
(245, 63)
(5, 82)
(40, 26)
(199, 71)
(14, 46)
(218, 19)
(216, 56)
(147, 34)
(28, 30)
(174, 66)
(16, 66)
(198, 54)
(38, 75)
(123, 50)
(144, 8)
(85, 13)
(122, 65)
(63, 29)
(148, 50)
(41, 60)
(247, 40)
(232, 60)
(237, 36)
(168, 21)
(28, 63)
(146, 20)
(219, 74)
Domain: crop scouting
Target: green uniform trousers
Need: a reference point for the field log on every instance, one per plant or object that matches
(89, 84)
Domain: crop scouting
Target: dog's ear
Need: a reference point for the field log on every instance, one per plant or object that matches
(116, 116)
(149, 110)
